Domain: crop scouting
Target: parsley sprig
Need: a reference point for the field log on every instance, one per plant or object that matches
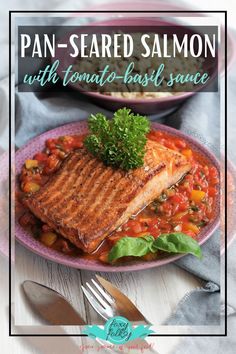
(119, 142)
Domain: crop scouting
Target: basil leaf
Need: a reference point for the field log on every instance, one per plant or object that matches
(177, 242)
(131, 246)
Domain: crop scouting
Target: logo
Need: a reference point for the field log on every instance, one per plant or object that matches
(118, 330)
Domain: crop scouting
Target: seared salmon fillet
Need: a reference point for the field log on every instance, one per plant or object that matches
(85, 201)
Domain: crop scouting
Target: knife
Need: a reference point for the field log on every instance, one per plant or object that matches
(124, 306)
(51, 305)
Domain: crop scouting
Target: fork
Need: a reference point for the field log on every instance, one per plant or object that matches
(106, 306)
(102, 303)
(108, 301)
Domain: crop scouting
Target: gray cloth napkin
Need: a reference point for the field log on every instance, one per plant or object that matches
(202, 121)
(219, 345)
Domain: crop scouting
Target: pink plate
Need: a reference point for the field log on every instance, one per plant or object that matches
(26, 239)
(4, 173)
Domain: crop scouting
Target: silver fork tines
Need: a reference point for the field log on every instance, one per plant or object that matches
(109, 301)
(105, 295)
(99, 300)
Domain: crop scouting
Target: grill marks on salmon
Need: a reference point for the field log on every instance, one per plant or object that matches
(86, 201)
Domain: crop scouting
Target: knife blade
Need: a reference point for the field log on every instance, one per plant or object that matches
(51, 305)
(123, 304)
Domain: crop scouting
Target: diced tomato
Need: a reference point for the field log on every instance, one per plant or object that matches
(56, 152)
(190, 233)
(177, 198)
(206, 170)
(183, 206)
(152, 136)
(78, 144)
(68, 139)
(154, 231)
(215, 180)
(52, 163)
(103, 257)
(166, 208)
(41, 157)
(37, 177)
(180, 143)
(213, 172)
(51, 143)
(145, 220)
(66, 247)
(170, 144)
(164, 226)
(158, 133)
(136, 227)
(27, 219)
(46, 228)
(212, 192)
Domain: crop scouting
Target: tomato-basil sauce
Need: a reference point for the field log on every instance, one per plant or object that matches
(186, 207)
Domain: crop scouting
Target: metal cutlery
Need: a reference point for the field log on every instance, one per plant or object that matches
(108, 301)
(51, 305)
(56, 310)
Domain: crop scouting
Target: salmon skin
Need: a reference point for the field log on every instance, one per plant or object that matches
(85, 200)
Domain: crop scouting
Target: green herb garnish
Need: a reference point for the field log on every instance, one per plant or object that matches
(194, 208)
(119, 142)
(176, 242)
(162, 198)
(131, 246)
(202, 223)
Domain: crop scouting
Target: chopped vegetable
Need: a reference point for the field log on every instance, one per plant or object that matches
(180, 215)
(197, 196)
(27, 219)
(41, 157)
(31, 187)
(119, 142)
(103, 257)
(190, 226)
(212, 192)
(187, 153)
(31, 164)
(48, 238)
